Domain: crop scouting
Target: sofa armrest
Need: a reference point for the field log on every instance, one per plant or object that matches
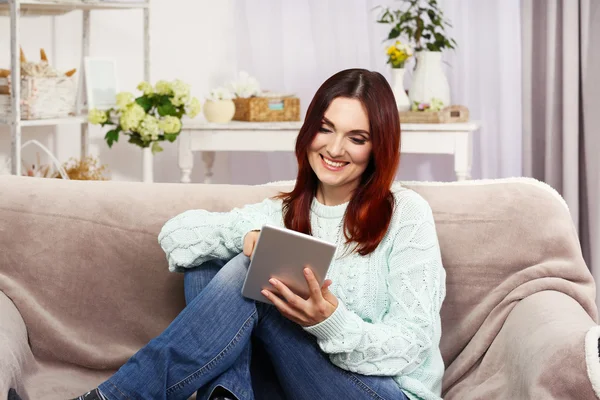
(551, 346)
(15, 353)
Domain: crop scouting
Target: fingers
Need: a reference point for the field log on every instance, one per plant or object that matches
(283, 307)
(292, 298)
(327, 295)
(248, 246)
(313, 285)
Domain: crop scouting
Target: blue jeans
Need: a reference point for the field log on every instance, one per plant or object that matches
(209, 344)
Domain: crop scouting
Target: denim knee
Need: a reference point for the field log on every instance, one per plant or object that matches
(234, 272)
(196, 279)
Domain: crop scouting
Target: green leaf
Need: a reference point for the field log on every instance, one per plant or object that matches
(171, 137)
(167, 109)
(112, 136)
(136, 139)
(145, 102)
(394, 33)
(156, 148)
(431, 15)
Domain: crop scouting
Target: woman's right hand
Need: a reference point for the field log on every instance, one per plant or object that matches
(250, 242)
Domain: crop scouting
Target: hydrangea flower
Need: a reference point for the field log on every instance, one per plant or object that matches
(131, 117)
(181, 93)
(97, 117)
(194, 108)
(149, 128)
(163, 88)
(170, 124)
(124, 99)
(146, 88)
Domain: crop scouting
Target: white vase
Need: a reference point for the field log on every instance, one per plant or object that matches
(220, 111)
(147, 165)
(429, 80)
(402, 101)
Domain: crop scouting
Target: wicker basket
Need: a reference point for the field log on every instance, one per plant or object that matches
(263, 109)
(41, 97)
(447, 115)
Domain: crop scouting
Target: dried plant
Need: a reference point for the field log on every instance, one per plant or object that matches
(88, 169)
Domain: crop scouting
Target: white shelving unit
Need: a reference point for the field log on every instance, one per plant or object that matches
(16, 9)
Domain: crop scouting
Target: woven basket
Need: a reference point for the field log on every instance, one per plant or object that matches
(447, 115)
(263, 109)
(41, 98)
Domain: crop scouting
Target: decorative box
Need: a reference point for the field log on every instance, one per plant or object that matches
(267, 109)
(446, 115)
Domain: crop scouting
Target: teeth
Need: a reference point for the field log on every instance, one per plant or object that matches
(333, 164)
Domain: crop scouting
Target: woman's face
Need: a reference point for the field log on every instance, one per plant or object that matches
(341, 150)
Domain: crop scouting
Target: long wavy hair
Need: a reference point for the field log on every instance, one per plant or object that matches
(370, 209)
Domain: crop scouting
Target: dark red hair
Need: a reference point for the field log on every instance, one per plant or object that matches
(370, 209)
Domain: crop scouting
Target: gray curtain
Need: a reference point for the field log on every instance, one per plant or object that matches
(561, 115)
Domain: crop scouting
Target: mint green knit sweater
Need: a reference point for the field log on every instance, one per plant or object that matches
(388, 318)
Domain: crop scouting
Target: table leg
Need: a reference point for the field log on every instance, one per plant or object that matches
(186, 157)
(208, 157)
(463, 155)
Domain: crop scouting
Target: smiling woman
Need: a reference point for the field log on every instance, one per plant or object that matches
(348, 150)
(372, 330)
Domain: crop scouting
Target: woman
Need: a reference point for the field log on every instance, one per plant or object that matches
(371, 331)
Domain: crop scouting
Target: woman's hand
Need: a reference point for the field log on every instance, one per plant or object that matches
(317, 308)
(250, 242)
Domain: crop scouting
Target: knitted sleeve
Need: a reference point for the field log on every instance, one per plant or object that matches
(401, 340)
(196, 236)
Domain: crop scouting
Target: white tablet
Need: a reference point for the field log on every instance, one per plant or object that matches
(282, 254)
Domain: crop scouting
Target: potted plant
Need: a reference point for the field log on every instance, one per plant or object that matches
(398, 53)
(219, 106)
(423, 23)
(148, 119)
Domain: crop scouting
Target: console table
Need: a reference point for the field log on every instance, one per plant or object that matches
(455, 139)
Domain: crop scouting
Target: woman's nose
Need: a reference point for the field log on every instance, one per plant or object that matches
(336, 147)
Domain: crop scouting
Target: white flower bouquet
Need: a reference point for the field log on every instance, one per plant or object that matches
(245, 86)
(220, 93)
(153, 117)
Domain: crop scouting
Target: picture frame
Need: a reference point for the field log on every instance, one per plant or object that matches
(101, 82)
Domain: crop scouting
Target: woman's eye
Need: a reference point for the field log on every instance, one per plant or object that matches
(359, 141)
(325, 130)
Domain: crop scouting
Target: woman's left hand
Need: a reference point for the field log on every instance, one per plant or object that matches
(317, 308)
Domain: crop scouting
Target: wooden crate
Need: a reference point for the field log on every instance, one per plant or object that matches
(264, 109)
(447, 115)
(41, 97)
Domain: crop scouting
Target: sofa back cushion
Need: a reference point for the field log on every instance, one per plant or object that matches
(81, 260)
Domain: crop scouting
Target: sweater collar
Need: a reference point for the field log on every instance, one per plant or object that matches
(323, 211)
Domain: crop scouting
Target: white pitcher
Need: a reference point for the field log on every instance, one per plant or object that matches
(429, 80)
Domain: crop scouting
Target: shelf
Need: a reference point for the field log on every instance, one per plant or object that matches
(80, 119)
(40, 7)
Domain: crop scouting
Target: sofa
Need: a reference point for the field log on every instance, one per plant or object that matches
(84, 283)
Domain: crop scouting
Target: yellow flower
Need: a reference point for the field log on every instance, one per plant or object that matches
(124, 99)
(398, 53)
(146, 88)
(170, 124)
(97, 117)
(149, 129)
(163, 87)
(131, 117)
(194, 108)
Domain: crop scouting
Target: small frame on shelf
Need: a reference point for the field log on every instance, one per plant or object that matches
(101, 83)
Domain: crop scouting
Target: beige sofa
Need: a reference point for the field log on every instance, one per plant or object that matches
(84, 284)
